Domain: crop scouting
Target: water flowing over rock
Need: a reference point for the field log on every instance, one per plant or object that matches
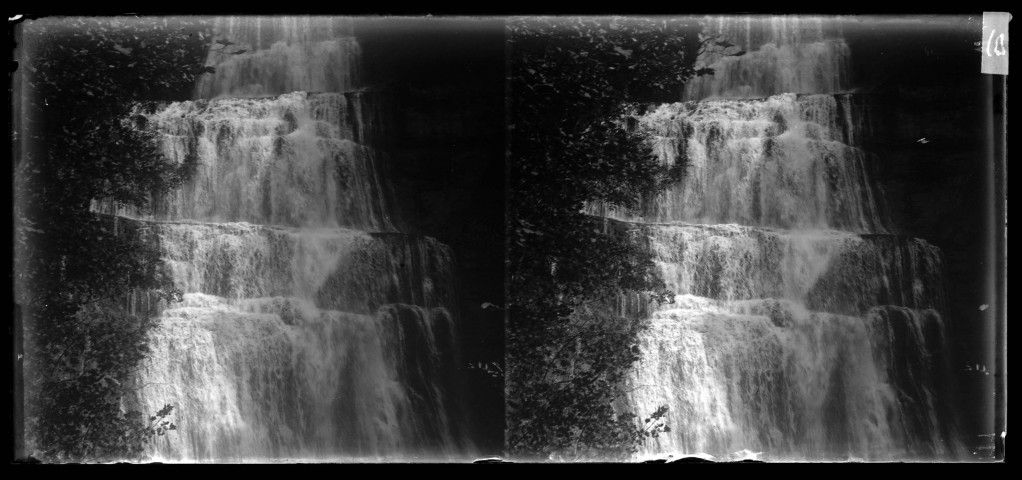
(311, 327)
(297, 160)
(793, 383)
(801, 327)
(280, 55)
(785, 161)
(784, 54)
(824, 270)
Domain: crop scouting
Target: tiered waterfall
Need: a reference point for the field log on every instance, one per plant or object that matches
(312, 328)
(803, 327)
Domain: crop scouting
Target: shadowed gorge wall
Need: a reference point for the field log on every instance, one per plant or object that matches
(920, 80)
(445, 79)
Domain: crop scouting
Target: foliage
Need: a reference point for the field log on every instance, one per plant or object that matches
(83, 373)
(82, 79)
(81, 92)
(581, 365)
(573, 82)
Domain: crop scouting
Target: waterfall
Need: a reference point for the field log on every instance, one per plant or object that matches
(802, 328)
(784, 54)
(295, 159)
(787, 161)
(311, 326)
(281, 55)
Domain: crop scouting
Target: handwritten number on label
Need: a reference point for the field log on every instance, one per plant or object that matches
(998, 46)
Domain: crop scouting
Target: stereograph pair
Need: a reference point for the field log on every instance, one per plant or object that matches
(329, 239)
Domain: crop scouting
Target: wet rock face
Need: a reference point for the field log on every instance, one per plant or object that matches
(441, 110)
(927, 100)
(932, 134)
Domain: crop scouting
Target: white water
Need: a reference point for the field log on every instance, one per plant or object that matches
(282, 55)
(800, 329)
(784, 54)
(792, 383)
(311, 328)
(785, 161)
(825, 270)
(297, 159)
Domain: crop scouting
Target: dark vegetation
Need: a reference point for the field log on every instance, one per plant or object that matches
(81, 90)
(569, 346)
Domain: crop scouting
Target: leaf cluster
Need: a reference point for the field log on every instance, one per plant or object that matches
(84, 83)
(574, 84)
(82, 378)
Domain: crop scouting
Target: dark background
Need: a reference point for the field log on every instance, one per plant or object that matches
(441, 82)
(921, 79)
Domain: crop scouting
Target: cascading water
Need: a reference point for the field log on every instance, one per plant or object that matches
(311, 328)
(801, 329)
(784, 54)
(786, 161)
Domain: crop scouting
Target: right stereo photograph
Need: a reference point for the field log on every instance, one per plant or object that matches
(775, 238)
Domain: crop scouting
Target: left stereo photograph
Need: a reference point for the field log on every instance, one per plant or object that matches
(259, 239)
